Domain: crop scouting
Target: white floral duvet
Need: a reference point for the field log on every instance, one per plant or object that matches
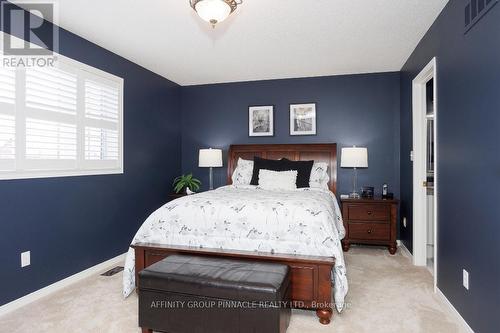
(245, 217)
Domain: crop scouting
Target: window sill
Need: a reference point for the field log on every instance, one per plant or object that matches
(9, 175)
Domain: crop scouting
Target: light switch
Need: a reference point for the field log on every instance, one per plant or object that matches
(25, 259)
(465, 279)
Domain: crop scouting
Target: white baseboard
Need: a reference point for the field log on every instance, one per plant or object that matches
(36, 295)
(459, 317)
(404, 249)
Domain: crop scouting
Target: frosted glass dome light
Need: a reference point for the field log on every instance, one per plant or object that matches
(213, 11)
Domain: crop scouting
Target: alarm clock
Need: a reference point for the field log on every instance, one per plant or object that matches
(367, 192)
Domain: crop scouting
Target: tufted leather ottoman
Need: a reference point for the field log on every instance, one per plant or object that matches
(185, 293)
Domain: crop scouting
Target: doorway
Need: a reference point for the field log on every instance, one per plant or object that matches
(429, 142)
(425, 169)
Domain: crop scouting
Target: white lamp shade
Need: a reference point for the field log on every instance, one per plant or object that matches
(213, 11)
(355, 157)
(210, 158)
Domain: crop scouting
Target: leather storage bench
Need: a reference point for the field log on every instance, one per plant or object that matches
(184, 293)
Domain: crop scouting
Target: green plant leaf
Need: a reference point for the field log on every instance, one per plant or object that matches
(178, 188)
(176, 180)
(186, 181)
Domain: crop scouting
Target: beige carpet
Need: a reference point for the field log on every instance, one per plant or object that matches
(387, 294)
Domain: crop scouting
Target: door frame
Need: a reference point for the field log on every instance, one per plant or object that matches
(420, 166)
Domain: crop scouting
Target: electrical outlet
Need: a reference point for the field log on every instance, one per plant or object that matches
(25, 259)
(404, 222)
(465, 279)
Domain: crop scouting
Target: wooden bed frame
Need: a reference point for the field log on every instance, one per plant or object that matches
(311, 275)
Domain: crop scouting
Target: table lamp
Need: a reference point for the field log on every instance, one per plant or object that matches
(210, 158)
(354, 157)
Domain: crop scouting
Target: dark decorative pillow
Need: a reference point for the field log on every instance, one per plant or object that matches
(303, 169)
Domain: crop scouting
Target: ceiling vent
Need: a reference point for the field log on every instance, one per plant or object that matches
(475, 10)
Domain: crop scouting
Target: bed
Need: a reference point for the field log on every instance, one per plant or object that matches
(302, 228)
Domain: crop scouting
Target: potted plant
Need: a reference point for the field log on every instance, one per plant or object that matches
(184, 182)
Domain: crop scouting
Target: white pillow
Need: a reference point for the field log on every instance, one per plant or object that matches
(319, 175)
(242, 175)
(277, 180)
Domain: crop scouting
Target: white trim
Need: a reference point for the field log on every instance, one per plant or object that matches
(58, 173)
(419, 167)
(36, 295)
(404, 249)
(457, 314)
(436, 175)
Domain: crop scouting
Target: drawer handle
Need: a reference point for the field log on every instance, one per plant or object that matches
(369, 231)
(369, 212)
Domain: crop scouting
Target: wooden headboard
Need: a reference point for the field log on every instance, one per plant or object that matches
(319, 152)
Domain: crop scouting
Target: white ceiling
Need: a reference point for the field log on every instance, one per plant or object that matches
(263, 39)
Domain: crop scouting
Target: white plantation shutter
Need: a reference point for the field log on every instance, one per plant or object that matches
(7, 86)
(7, 119)
(51, 89)
(102, 115)
(51, 122)
(101, 101)
(7, 137)
(61, 120)
(50, 140)
(101, 144)
(7, 142)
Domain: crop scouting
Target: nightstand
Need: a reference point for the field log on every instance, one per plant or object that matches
(370, 221)
(173, 196)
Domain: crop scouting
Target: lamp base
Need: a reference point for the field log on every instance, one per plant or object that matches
(211, 179)
(354, 195)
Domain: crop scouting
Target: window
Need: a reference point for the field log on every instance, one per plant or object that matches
(64, 120)
(7, 119)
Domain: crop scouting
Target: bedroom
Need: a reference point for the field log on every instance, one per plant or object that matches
(179, 85)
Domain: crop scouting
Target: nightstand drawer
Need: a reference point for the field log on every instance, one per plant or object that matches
(369, 231)
(369, 212)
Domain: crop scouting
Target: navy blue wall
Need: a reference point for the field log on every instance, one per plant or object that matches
(73, 223)
(468, 85)
(360, 110)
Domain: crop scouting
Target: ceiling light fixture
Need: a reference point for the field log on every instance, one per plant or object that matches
(214, 11)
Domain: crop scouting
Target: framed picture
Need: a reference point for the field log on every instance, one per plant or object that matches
(261, 120)
(303, 119)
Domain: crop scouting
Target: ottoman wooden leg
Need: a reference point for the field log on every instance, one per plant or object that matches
(324, 315)
(147, 330)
